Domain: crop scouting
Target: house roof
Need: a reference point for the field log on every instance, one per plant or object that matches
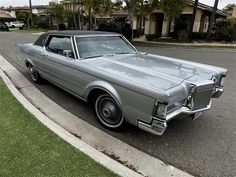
(5, 15)
(208, 8)
(27, 7)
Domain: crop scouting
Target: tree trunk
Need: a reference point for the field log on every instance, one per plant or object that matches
(131, 23)
(79, 20)
(169, 25)
(190, 33)
(212, 19)
(82, 18)
(90, 18)
(131, 5)
(73, 11)
(31, 15)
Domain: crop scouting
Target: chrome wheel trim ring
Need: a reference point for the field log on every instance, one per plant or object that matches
(108, 111)
(33, 73)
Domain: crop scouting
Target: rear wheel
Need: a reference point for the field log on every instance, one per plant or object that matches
(35, 76)
(108, 112)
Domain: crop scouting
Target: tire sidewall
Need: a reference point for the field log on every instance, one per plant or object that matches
(103, 122)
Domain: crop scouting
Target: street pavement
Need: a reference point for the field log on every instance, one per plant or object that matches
(204, 147)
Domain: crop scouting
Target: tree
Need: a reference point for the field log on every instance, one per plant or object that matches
(144, 7)
(56, 11)
(229, 7)
(131, 5)
(89, 4)
(212, 19)
(74, 3)
(190, 33)
(102, 7)
(117, 5)
(31, 14)
(173, 9)
(23, 16)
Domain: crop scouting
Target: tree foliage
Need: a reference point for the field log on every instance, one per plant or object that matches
(225, 30)
(56, 11)
(212, 20)
(144, 7)
(23, 16)
(229, 7)
(173, 8)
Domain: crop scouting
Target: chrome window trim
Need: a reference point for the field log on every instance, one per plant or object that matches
(72, 45)
(68, 36)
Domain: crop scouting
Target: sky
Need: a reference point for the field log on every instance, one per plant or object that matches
(6, 3)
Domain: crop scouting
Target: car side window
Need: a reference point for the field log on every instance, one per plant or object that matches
(60, 45)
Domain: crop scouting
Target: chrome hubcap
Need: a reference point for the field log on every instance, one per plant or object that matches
(33, 73)
(108, 111)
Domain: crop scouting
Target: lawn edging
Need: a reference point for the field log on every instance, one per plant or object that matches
(96, 155)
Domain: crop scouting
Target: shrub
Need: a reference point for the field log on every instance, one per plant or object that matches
(136, 33)
(41, 22)
(183, 36)
(225, 30)
(61, 26)
(199, 35)
(151, 37)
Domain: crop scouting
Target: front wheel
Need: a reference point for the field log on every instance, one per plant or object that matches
(34, 74)
(108, 112)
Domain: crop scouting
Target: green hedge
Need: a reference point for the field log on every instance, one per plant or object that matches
(151, 37)
(199, 35)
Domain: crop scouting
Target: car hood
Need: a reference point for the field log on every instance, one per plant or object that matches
(148, 70)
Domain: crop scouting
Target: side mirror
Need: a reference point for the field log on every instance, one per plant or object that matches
(67, 53)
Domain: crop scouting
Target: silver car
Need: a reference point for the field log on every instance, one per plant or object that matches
(121, 84)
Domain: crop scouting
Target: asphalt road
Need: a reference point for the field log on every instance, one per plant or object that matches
(204, 147)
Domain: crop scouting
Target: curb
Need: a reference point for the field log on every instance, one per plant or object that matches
(164, 44)
(68, 137)
(84, 136)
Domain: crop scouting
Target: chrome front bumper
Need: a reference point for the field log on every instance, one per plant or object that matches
(158, 126)
(218, 91)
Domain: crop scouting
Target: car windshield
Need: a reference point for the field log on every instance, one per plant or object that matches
(96, 46)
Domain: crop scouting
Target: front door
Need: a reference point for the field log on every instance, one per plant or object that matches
(58, 62)
(159, 23)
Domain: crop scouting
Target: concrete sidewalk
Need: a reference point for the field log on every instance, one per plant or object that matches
(87, 138)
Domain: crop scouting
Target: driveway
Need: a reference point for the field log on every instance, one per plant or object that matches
(204, 147)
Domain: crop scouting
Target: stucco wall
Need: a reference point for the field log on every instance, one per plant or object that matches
(197, 22)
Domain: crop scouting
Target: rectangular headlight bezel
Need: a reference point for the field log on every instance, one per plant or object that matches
(191, 96)
(160, 110)
(222, 80)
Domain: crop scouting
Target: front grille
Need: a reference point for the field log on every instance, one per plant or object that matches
(202, 98)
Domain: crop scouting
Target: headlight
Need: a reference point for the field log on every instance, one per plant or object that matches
(160, 110)
(190, 100)
(222, 81)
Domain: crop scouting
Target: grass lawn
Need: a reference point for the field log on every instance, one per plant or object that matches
(27, 148)
(34, 30)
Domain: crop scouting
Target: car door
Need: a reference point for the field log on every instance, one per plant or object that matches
(58, 62)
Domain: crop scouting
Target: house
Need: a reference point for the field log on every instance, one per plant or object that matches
(6, 16)
(232, 13)
(36, 9)
(157, 22)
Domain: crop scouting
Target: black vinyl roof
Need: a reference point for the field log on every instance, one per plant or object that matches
(79, 32)
(43, 37)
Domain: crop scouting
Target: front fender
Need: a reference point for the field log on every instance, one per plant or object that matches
(103, 85)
